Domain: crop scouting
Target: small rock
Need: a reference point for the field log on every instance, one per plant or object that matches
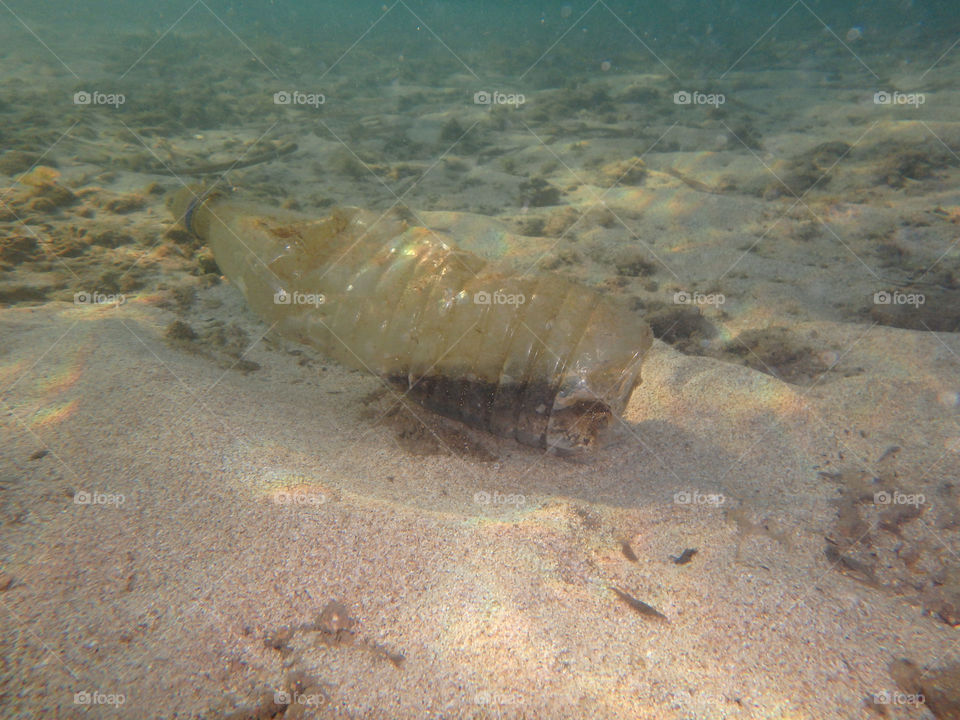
(279, 639)
(335, 619)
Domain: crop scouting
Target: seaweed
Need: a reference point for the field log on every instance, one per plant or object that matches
(889, 536)
(537, 192)
(778, 352)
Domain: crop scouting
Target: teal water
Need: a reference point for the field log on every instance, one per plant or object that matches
(774, 187)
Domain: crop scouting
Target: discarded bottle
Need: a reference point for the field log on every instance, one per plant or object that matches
(537, 358)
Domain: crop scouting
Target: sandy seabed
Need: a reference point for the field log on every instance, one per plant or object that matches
(209, 521)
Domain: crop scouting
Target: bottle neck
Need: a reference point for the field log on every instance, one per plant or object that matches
(194, 218)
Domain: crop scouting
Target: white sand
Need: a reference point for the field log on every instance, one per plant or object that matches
(501, 609)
